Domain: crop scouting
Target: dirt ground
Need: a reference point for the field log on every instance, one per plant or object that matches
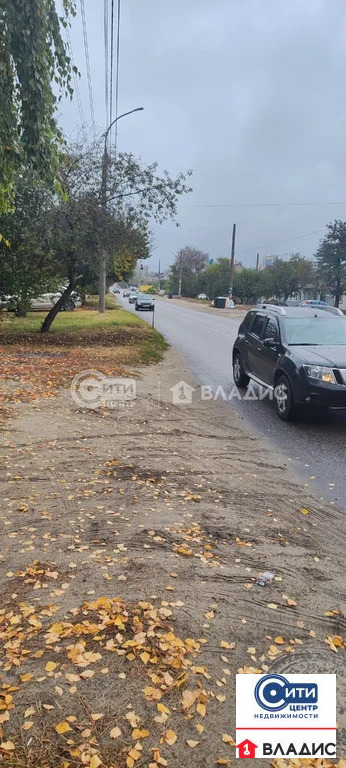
(238, 313)
(131, 542)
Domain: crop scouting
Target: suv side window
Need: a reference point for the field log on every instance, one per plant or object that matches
(271, 330)
(258, 324)
(247, 322)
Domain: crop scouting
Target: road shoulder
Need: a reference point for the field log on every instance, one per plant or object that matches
(176, 507)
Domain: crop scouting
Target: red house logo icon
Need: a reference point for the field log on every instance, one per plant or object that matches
(247, 749)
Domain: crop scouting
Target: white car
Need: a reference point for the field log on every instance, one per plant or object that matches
(45, 302)
(202, 296)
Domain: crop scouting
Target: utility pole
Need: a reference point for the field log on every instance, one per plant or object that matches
(257, 262)
(180, 273)
(104, 178)
(231, 270)
(103, 263)
(159, 281)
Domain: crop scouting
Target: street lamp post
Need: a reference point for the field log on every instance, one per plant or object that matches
(104, 176)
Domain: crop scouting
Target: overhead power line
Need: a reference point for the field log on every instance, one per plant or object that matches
(111, 76)
(106, 33)
(117, 72)
(282, 242)
(87, 61)
(265, 205)
(76, 83)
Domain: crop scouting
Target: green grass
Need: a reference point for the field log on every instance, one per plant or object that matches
(117, 333)
(151, 349)
(93, 302)
(79, 320)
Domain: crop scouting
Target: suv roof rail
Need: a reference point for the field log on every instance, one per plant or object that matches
(273, 308)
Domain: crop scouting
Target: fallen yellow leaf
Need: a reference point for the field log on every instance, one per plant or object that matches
(8, 746)
(291, 603)
(134, 753)
(115, 733)
(96, 716)
(191, 743)
(62, 727)
(189, 698)
(29, 711)
(50, 666)
(95, 761)
(305, 511)
(161, 708)
(279, 640)
(138, 733)
(228, 739)
(170, 737)
(27, 725)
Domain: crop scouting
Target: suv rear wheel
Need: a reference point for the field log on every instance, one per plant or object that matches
(241, 379)
(284, 404)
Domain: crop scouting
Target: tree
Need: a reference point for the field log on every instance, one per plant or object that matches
(129, 243)
(331, 259)
(26, 265)
(248, 285)
(290, 277)
(85, 228)
(32, 56)
(189, 263)
(79, 226)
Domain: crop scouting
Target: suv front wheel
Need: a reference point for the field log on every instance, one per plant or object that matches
(241, 379)
(284, 404)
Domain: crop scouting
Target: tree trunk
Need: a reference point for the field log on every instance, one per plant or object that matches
(57, 307)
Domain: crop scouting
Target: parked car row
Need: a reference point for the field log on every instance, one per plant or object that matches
(44, 303)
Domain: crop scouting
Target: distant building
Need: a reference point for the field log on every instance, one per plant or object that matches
(238, 267)
(268, 261)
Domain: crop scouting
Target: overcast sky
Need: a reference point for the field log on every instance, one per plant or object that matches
(250, 94)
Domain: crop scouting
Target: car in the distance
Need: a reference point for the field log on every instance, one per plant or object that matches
(144, 301)
(133, 296)
(317, 304)
(298, 353)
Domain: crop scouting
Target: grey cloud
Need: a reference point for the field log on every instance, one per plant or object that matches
(250, 94)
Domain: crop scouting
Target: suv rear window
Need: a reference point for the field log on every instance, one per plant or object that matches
(258, 324)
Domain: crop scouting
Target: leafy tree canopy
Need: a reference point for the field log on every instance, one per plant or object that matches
(32, 57)
(26, 265)
(331, 259)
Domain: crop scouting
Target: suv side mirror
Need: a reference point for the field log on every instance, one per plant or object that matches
(271, 342)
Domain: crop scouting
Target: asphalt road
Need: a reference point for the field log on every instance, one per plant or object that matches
(314, 445)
